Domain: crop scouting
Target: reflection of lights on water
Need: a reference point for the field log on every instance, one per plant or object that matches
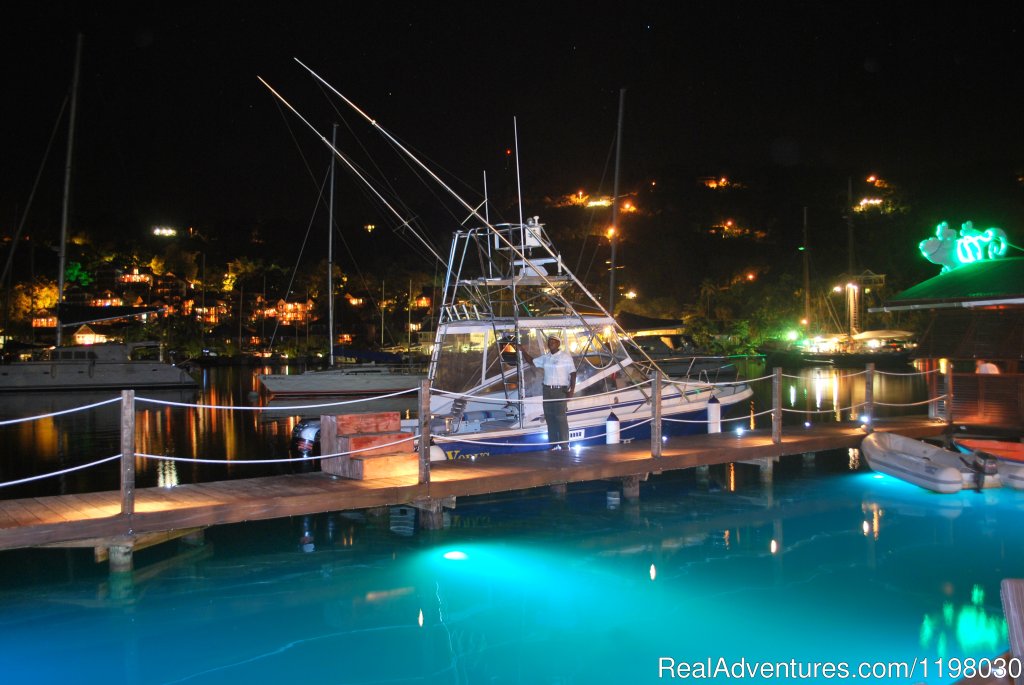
(974, 629)
(420, 619)
(166, 474)
(726, 538)
(854, 461)
(654, 572)
(774, 546)
(455, 555)
(732, 477)
(873, 526)
(792, 395)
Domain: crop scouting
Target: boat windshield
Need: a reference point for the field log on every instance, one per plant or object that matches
(483, 361)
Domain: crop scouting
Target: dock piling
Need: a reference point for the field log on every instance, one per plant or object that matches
(777, 405)
(127, 452)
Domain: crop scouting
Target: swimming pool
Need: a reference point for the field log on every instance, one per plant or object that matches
(825, 564)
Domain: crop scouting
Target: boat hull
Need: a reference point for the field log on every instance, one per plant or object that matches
(1009, 458)
(536, 439)
(91, 375)
(913, 461)
(338, 383)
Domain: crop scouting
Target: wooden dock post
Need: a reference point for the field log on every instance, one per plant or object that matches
(949, 394)
(869, 396)
(777, 405)
(424, 419)
(431, 514)
(631, 488)
(656, 415)
(127, 453)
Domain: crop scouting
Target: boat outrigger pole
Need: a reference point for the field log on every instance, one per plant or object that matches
(354, 170)
(474, 211)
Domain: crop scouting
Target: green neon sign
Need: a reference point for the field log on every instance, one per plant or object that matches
(950, 249)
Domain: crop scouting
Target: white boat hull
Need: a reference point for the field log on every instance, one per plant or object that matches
(92, 375)
(357, 382)
(916, 462)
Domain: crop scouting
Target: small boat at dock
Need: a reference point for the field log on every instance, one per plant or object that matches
(925, 465)
(1008, 457)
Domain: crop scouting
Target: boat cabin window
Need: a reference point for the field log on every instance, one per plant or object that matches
(71, 355)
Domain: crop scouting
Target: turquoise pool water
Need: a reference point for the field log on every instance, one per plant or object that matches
(530, 588)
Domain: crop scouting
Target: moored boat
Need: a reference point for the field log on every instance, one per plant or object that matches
(925, 465)
(105, 366)
(351, 381)
(1008, 456)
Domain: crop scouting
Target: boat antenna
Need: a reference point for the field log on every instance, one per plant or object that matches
(487, 209)
(519, 187)
(62, 249)
(354, 170)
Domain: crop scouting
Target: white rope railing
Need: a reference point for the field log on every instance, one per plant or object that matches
(745, 417)
(910, 404)
(59, 473)
(232, 407)
(289, 460)
(834, 410)
(449, 438)
(907, 373)
(60, 413)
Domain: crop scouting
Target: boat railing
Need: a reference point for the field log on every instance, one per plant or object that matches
(130, 452)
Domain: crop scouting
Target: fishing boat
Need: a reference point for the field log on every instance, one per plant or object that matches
(104, 366)
(506, 290)
(925, 465)
(1008, 456)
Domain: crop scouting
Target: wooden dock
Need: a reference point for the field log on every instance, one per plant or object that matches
(95, 519)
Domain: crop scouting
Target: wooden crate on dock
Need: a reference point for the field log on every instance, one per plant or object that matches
(380, 449)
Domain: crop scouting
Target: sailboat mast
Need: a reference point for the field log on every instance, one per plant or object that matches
(62, 250)
(330, 256)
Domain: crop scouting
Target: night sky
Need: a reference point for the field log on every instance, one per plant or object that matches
(174, 126)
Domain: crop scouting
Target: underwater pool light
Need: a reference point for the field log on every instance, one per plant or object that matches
(455, 555)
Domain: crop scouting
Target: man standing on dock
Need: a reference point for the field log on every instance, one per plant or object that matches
(559, 386)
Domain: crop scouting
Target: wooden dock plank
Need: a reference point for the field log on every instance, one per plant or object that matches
(67, 518)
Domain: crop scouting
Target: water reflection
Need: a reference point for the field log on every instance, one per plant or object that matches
(826, 394)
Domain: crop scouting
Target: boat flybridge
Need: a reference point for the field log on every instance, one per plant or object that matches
(507, 291)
